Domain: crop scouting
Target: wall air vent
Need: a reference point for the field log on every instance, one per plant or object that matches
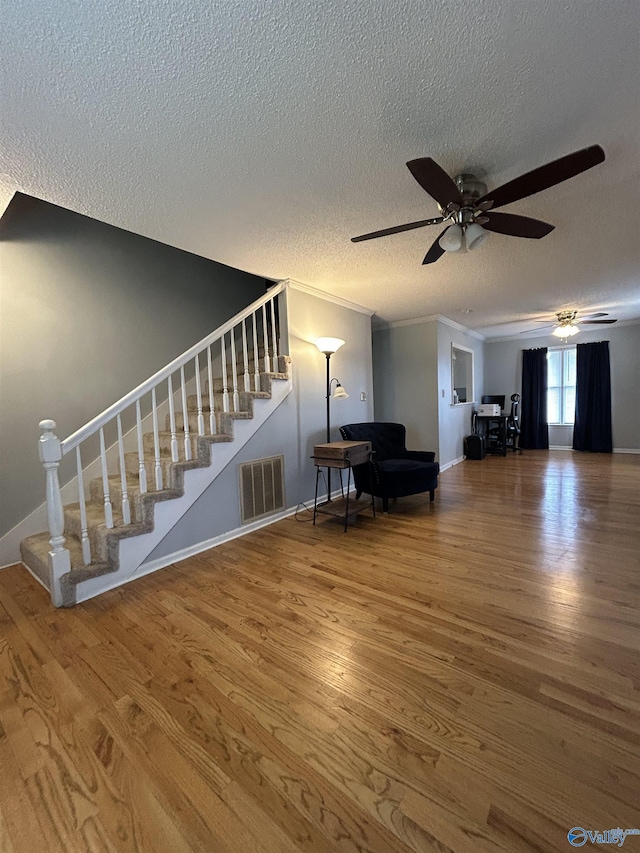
(261, 488)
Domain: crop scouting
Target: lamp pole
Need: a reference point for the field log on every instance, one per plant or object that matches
(327, 347)
(328, 355)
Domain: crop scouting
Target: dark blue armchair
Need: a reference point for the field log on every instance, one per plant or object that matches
(394, 471)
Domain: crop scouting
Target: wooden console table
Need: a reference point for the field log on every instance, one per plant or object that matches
(342, 455)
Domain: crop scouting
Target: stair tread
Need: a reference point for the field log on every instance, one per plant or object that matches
(38, 546)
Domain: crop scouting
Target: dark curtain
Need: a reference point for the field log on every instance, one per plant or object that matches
(534, 433)
(592, 430)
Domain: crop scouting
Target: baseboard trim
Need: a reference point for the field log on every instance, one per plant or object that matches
(452, 463)
(615, 449)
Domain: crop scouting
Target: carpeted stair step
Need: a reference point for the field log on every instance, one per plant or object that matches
(164, 439)
(134, 495)
(132, 461)
(34, 551)
(96, 527)
(132, 467)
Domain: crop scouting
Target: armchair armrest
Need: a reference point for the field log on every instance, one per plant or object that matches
(420, 455)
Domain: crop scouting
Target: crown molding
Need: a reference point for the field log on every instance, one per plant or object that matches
(328, 297)
(397, 324)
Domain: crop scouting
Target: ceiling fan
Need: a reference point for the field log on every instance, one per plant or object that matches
(569, 323)
(469, 209)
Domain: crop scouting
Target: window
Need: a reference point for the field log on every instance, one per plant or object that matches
(561, 385)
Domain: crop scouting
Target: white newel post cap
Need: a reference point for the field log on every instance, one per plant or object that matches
(49, 448)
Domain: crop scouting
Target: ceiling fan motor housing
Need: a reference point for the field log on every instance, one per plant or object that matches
(566, 318)
(471, 189)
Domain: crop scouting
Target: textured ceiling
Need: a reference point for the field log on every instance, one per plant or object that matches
(266, 133)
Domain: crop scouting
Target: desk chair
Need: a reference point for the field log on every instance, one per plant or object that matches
(513, 425)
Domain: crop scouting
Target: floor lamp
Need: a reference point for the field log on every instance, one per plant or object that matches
(327, 347)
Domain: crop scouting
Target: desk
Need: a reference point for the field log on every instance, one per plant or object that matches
(484, 423)
(342, 455)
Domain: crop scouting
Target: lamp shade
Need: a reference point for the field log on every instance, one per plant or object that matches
(451, 240)
(329, 345)
(340, 393)
(475, 236)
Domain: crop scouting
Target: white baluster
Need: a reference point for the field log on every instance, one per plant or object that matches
(265, 339)
(126, 510)
(245, 357)
(142, 472)
(199, 397)
(172, 421)
(225, 390)
(156, 441)
(50, 454)
(212, 416)
(185, 416)
(108, 511)
(234, 372)
(274, 340)
(256, 360)
(84, 533)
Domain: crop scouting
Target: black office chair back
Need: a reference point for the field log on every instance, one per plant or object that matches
(494, 398)
(513, 424)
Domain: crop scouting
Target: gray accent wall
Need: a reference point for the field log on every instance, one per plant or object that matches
(87, 312)
(503, 375)
(297, 424)
(406, 382)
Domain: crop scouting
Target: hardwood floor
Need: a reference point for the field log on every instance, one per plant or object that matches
(462, 676)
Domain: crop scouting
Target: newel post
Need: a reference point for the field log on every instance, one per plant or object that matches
(50, 453)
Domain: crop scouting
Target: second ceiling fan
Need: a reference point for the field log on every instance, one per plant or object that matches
(468, 208)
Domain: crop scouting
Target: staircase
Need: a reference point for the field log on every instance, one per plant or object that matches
(154, 472)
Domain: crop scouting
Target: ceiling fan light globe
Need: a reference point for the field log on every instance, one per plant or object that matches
(451, 240)
(567, 331)
(475, 236)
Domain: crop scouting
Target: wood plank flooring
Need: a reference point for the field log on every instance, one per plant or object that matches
(461, 677)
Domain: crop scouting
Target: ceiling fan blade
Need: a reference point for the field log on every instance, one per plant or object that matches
(516, 226)
(546, 176)
(436, 251)
(596, 322)
(593, 316)
(397, 228)
(434, 180)
(528, 331)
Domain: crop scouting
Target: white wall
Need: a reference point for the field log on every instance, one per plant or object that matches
(298, 424)
(503, 375)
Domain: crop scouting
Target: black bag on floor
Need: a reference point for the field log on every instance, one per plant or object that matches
(474, 447)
